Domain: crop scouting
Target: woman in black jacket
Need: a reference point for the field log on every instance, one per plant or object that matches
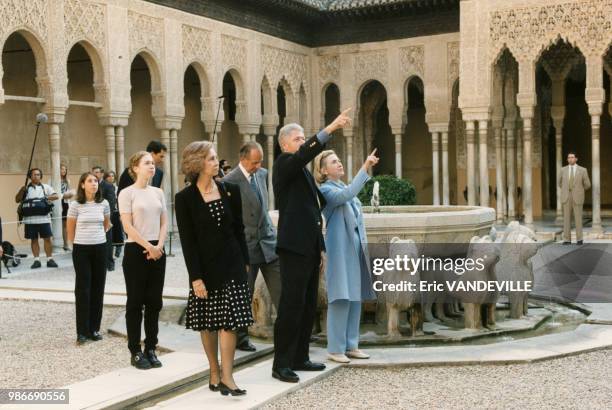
(209, 218)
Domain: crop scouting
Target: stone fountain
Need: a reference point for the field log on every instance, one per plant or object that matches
(432, 230)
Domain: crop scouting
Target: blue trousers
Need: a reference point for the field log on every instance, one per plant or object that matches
(343, 325)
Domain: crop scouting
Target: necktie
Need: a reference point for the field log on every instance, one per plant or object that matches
(571, 178)
(253, 184)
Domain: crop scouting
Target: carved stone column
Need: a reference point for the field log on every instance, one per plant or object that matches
(398, 155)
(167, 181)
(527, 116)
(470, 167)
(511, 167)
(499, 166)
(445, 175)
(558, 114)
(119, 150)
(270, 155)
(483, 161)
(54, 151)
(348, 134)
(109, 135)
(595, 110)
(435, 162)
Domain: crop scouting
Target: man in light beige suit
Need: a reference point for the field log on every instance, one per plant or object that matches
(573, 181)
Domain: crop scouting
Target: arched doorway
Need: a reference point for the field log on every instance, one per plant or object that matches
(230, 139)
(374, 130)
(416, 145)
(144, 73)
(83, 142)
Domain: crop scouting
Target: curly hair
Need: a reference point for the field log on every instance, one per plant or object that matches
(134, 162)
(319, 164)
(193, 158)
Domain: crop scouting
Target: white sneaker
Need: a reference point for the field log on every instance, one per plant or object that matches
(338, 357)
(357, 354)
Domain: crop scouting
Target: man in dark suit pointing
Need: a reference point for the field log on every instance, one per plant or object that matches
(300, 246)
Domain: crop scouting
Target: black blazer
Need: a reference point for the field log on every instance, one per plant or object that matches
(299, 201)
(202, 241)
(108, 193)
(125, 180)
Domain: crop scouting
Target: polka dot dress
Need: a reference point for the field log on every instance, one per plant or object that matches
(228, 307)
(216, 210)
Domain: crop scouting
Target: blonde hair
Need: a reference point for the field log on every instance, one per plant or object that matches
(319, 164)
(135, 161)
(193, 158)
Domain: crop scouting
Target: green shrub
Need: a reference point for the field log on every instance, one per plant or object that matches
(393, 191)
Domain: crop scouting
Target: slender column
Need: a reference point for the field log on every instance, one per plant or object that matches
(445, 176)
(109, 134)
(483, 159)
(435, 163)
(54, 150)
(498, 173)
(469, 138)
(174, 160)
(349, 157)
(119, 150)
(254, 137)
(398, 155)
(174, 183)
(558, 123)
(167, 181)
(596, 177)
(246, 138)
(270, 152)
(527, 204)
(511, 164)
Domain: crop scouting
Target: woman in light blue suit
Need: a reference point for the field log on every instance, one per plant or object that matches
(347, 273)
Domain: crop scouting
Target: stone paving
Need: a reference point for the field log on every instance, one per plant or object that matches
(38, 349)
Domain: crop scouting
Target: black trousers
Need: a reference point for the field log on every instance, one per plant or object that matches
(90, 267)
(110, 262)
(144, 283)
(297, 308)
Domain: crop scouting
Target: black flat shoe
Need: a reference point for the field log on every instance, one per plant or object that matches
(309, 366)
(213, 387)
(139, 361)
(81, 339)
(152, 358)
(234, 392)
(246, 346)
(95, 336)
(285, 374)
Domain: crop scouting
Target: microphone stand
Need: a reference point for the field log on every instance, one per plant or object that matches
(217, 117)
(25, 184)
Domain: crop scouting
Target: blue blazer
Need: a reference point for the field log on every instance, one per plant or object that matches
(346, 275)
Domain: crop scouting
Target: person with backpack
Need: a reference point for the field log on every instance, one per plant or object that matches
(35, 203)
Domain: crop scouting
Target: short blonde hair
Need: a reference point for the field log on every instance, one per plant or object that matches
(193, 158)
(135, 161)
(319, 164)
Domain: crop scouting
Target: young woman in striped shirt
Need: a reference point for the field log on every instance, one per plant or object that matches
(88, 220)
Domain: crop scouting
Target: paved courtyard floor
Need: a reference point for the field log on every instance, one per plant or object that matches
(575, 382)
(38, 349)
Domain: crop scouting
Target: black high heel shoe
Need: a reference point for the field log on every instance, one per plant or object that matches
(226, 390)
(213, 387)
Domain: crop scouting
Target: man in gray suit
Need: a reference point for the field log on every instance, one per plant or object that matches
(573, 181)
(258, 229)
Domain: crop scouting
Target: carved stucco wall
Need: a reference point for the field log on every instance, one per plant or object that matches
(529, 30)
